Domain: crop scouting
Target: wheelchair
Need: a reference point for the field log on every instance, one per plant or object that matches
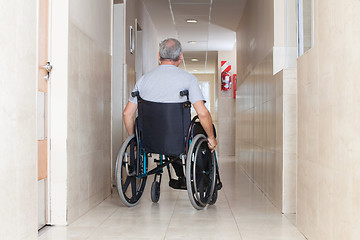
(166, 130)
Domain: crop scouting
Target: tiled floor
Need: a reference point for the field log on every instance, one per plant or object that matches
(241, 212)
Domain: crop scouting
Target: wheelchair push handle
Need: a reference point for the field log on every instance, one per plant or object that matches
(185, 93)
(135, 94)
(182, 93)
(187, 104)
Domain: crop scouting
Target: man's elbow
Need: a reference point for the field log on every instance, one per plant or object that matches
(127, 114)
(203, 114)
(129, 110)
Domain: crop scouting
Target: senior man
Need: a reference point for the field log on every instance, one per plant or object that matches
(163, 84)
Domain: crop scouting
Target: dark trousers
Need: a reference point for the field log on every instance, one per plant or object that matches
(202, 162)
(177, 165)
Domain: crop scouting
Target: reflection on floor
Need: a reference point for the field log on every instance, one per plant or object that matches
(241, 212)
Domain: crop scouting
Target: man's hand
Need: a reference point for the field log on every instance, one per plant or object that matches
(212, 143)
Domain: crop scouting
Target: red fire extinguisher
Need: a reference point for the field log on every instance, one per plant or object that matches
(225, 81)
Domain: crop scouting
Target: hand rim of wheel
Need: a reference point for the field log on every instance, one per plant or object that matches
(194, 143)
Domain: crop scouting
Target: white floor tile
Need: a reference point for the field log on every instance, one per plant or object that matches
(241, 212)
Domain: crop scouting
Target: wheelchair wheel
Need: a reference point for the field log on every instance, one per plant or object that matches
(155, 191)
(200, 172)
(130, 188)
(214, 197)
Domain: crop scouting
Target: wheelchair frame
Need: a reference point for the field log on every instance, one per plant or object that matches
(202, 184)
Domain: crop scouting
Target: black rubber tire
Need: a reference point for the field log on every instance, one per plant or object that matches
(155, 191)
(130, 197)
(199, 196)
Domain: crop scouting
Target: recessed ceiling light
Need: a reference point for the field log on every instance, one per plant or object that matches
(194, 60)
(192, 42)
(191, 21)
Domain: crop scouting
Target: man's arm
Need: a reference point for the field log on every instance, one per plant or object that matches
(206, 122)
(128, 116)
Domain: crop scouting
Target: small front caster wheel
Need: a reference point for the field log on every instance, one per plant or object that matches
(155, 191)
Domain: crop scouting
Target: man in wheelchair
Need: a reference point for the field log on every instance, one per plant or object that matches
(163, 98)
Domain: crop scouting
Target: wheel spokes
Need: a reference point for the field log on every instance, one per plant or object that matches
(133, 187)
(129, 187)
(126, 184)
(132, 153)
(201, 188)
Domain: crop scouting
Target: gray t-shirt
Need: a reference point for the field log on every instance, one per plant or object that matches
(164, 83)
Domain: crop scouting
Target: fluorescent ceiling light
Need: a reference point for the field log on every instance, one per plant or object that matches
(194, 60)
(191, 21)
(195, 70)
(192, 42)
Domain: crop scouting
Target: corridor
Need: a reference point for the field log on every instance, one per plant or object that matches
(241, 212)
(281, 82)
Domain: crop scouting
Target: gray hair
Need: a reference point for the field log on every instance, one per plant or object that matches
(170, 49)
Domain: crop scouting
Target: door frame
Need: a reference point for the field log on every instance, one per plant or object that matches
(57, 112)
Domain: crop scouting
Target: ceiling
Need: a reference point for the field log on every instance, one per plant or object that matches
(217, 21)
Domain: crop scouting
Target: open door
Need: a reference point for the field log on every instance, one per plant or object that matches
(42, 109)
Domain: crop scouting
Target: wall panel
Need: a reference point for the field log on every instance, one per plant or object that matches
(328, 116)
(88, 152)
(18, 145)
(266, 135)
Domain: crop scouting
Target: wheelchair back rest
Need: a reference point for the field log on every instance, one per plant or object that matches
(163, 127)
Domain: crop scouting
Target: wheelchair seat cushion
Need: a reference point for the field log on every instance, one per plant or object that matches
(163, 127)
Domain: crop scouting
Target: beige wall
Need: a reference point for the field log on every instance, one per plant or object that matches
(266, 132)
(88, 141)
(259, 138)
(92, 17)
(288, 97)
(255, 35)
(89, 93)
(226, 108)
(266, 101)
(18, 145)
(329, 117)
